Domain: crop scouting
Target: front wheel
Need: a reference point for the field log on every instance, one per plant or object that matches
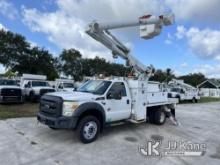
(88, 129)
(53, 128)
(32, 97)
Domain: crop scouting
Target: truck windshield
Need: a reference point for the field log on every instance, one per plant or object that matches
(95, 86)
(175, 90)
(8, 82)
(68, 85)
(39, 83)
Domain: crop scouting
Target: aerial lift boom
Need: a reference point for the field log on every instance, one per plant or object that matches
(150, 26)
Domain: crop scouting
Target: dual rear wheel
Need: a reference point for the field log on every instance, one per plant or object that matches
(157, 116)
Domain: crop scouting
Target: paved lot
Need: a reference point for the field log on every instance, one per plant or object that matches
(23, 141)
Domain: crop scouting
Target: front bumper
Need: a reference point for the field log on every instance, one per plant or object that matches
(58, 122)
(11, 99)
(37, 97)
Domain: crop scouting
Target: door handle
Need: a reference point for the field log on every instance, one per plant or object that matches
(128, 101)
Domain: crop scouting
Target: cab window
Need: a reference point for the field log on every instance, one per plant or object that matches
(29, 84)
(60, 86)
(119, 87)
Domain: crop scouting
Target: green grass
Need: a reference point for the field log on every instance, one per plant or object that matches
(202, 100)
(18, 110)
(208, 99)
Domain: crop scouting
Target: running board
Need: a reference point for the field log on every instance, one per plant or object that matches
(116, 124)
(136, 121)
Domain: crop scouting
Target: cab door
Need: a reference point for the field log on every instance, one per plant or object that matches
(118, 103)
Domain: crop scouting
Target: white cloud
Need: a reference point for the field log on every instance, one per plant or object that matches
(203, 43)
(211, 71)
(65, 27)
(181, 31)
(8, 9)
(3, 27)
(177, 73)
(184, 65)
(33, 44)
(205, 11)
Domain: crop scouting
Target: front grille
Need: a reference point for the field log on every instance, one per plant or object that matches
(51, 106)
(12, 98)
(11, 92)
(44, 91)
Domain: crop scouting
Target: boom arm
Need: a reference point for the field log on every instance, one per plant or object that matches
(150, 26)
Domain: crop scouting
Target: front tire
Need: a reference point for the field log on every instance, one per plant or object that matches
(88, 129)
(32, 97)
(159, 117)
(53, 128)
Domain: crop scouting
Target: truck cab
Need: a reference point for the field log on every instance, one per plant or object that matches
(101, 102)
(35, 86)
(10, 92)
(64, 85)
(176, 92)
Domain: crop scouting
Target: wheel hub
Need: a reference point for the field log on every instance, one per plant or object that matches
(90, 130)
(162, 117)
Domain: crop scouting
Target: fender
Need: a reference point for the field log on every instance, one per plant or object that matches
(178, 96)
(31, 91)
(90, 106)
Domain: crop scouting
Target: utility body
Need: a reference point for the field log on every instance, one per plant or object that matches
(101, 102)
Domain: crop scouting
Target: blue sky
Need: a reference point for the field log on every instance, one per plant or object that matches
(191, 45)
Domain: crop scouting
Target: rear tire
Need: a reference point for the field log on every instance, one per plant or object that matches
(88, 129)
(159, 117)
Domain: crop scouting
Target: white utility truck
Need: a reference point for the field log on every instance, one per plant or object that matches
(64, 85)
(35, 86)
(102, 102)
(10, 92)
(182, 91)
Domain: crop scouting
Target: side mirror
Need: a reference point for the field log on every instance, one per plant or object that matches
(60, 87)
(53, 86)
(26, 86)
(114, 95)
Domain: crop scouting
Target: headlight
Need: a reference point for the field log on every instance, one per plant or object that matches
(69, 108)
